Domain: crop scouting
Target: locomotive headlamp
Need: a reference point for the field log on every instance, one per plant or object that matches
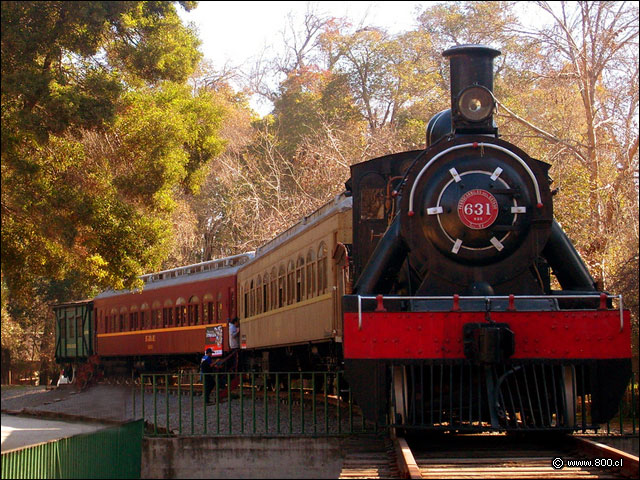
(476, 103)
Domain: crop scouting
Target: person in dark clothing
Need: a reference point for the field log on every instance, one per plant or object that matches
(206, 367)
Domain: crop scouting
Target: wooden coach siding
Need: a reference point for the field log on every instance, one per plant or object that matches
(176, 338)
(313, 319)
(158, 341)
(306, 321)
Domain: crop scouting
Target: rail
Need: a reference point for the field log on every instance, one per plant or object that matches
(602, 297)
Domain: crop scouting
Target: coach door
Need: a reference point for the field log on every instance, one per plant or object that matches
(342, 282)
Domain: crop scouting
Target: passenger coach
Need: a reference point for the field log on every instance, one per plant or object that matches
(178, 313)
(290, 293)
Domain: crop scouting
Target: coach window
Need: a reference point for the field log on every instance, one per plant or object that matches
(133, 318)
(265, 292)
(219, 311)
(252, 298)
(193, 309)
(123, 319)
(113, 317)
(322, 269)
(144, 316)
(156, 314)
(259, 295)
(167, 313)
(300, 279)
(291, 275)
(181, 311)
(274, 288)
(281, 287)
(311, 273)
(245, 299)
(254, 295)
(207, 307)
(79, 331)
(72, 331)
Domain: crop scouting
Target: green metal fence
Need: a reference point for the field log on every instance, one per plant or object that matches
(288, 403)
(283, 403)
(628, 413)
(115, 452)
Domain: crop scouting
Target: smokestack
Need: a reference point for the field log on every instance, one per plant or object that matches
(472, 104)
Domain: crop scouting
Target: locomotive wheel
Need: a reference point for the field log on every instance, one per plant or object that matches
(569, 396)
(400, 395)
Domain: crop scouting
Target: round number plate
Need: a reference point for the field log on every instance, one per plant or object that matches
(478, 209)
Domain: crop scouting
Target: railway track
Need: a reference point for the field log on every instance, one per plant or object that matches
(502, 456)
(370, 457)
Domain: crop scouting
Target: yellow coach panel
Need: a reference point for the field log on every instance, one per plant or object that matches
(290, 293)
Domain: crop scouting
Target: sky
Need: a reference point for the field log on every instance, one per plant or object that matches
(236, 31)
(234, 34)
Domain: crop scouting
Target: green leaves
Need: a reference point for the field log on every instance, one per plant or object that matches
(99, 135)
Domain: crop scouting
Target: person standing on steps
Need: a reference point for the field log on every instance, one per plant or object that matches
(234, 342)
(206, 369)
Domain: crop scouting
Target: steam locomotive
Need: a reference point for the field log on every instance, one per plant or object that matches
(453, 311)
(429, 280)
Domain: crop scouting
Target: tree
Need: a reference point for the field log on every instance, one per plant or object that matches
(97, 135)
(591, 51)
(100, 134)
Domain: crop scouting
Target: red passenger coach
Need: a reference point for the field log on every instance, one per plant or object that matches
(177, 314)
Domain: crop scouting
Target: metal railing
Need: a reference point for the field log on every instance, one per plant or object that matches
(628, 414)
(114, 452)
(254, 403)
(455, 299)
(307, 403)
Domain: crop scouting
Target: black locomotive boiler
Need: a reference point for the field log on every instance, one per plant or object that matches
(453, 323)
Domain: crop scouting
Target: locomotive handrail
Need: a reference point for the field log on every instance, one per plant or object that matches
(475, 145)
(491, 297)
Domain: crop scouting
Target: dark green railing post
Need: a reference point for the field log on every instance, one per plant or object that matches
(241, 403)
(633, 402)
(166, 399)
(266, 403)
(155, 405)
(301, 403)
(180, 403)
(229, 401)
(253, 400)
(217, 379)
(338, 395)
(290, 405)
(326, 404)
(142, 394)
(191, 400)
(313, 401)
(277, 402)
(621, 420)
(133, 395)
(204, 403)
